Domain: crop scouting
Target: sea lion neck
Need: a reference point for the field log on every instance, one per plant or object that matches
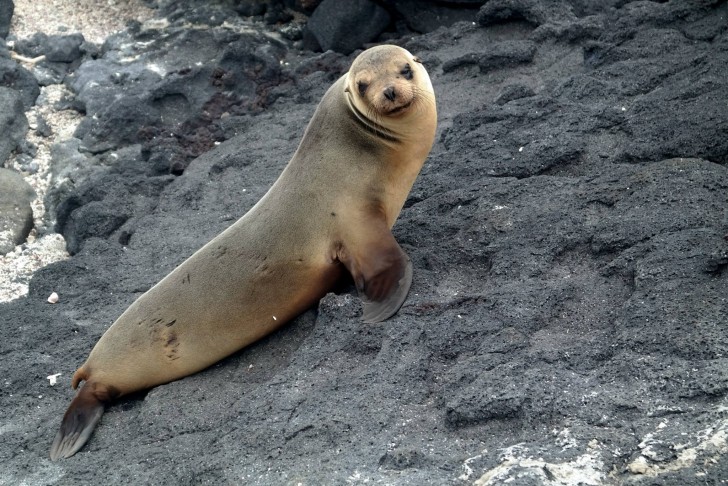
(370, 125)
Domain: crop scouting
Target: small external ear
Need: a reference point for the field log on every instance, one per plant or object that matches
(346, 90)
(417, 59)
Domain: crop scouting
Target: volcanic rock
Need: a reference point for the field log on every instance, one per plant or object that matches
(16, 214)
(346, 26)
(14, 76)
(6, 14)
(13, 123)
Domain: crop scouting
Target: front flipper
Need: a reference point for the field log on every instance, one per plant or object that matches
(398, 288)
(382, 271)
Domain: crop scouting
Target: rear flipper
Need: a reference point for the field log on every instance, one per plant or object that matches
(78, 423)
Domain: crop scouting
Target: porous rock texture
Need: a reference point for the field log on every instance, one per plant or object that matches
(16, 213)
(13, 123)
(345, 26)
(6, 13)
(567, 323)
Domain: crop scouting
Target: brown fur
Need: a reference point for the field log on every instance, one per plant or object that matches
(331, 209)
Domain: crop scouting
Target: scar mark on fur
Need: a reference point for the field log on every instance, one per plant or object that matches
(186, 279)
(171, 346)
(171, 323)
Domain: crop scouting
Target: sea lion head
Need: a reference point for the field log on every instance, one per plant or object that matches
(387, 82)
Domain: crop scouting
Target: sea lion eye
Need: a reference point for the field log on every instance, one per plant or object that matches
(362, 87)
(406, 72)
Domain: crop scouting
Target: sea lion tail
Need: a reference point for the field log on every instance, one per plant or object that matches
(81, 374)
(79, 421)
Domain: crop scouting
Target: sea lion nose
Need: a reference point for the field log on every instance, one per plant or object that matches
(390, 93)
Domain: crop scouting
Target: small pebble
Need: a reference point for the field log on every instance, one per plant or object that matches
(53, 298)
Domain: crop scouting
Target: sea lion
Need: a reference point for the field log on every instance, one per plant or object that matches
(332, 208)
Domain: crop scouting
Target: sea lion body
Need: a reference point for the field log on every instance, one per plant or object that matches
(330, 210)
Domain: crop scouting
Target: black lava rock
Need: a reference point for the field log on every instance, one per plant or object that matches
(513, 92)
(426, 16)
(14, 76)
(536, 12)
(13, 123)
(6, 14)
(63, 48)
(346, 26)
(16, 214)
(32, 46)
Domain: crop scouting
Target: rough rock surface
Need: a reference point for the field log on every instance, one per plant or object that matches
(425, 16)
(569, 233)
(346, 26)
(13, 75)
(16, 215)
(6, 13)
(13, 123)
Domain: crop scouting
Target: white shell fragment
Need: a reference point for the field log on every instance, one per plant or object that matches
(53, 298)
(53, 379)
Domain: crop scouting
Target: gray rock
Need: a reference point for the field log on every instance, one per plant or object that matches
(276, 13)
(13, 123)
(175, 114)
(507, 53)
(32, 46)
(6, 14)
(292, 32)
(69, 167)
(14, 76)
(48, 73)
(555, 19)
(584, 28)
(91, 201)
(513, 92)
(250, 8)
(98, 82)
(536, 12)
(118, 124)
(27, 164)
(346, 26)
(426, 16)
(63, 48)
(496, 56)
(42, 128)
(212, 15)
(59, 51)
(16, 214)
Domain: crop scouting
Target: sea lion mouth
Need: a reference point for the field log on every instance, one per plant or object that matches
(400, 109)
